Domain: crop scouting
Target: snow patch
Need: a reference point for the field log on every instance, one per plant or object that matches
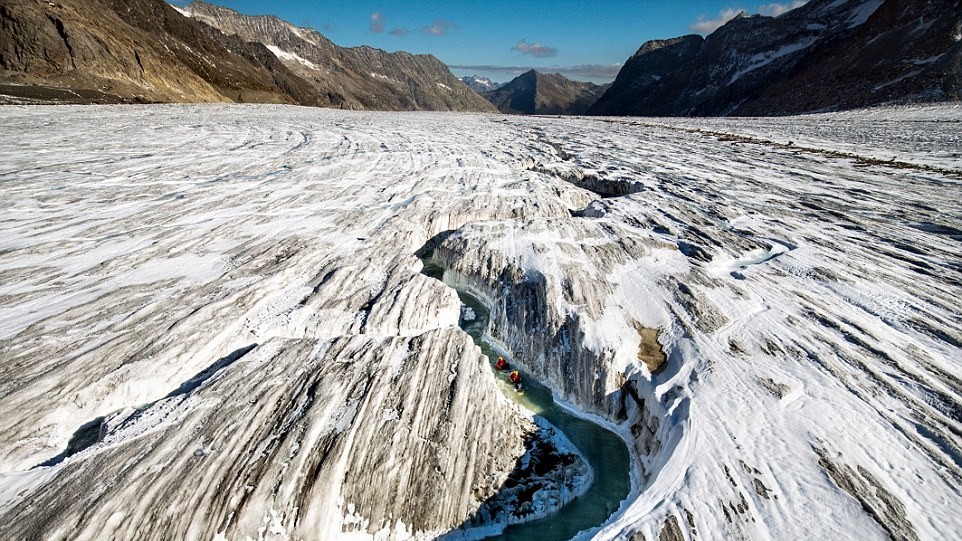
(926, 61)
(906, 75)
(762, 59)
(290, 57)
(300, 32)
(863, 12)
(185, 11)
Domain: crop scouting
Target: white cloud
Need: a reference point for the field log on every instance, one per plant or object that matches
(400, 31)
(776, 9)
(596, 71)
(440, 27)
(535, 49)
(377, 22)
(706, 26)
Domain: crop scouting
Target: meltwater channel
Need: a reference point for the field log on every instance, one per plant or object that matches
(605, 452)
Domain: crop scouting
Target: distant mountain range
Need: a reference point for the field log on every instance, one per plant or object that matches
(147, 50)
(827, 54)
(535, 93)
(480, 84)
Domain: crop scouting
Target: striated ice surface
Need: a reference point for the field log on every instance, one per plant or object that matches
(213, 322)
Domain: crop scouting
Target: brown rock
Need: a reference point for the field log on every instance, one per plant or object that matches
(534, 93)
(350, 78)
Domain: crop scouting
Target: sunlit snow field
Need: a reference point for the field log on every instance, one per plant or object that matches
(805, 274)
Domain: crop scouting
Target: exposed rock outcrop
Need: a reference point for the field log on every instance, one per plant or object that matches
(905, 51)
(534, 93)
(823, 55)
(350, 78)
(642, 72)
(147, 50)
(138, 49)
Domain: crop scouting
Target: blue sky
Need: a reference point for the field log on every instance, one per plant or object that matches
(584, 40)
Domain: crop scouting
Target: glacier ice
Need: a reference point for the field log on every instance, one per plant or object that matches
(233, 294)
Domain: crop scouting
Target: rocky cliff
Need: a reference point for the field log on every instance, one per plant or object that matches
(138, 49)
(905, 51)
(642, 72)
(534, 93)
(823, 55)
(350, 78)
(147, 50)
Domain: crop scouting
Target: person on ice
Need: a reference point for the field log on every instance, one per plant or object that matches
(501, 364)
(515, 379)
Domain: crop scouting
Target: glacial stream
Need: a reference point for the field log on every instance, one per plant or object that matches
(605, 452)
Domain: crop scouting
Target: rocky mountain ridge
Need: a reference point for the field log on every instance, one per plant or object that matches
(348, 78)
(149, 51)
(824, 55)
(141, 50)
(535, 93)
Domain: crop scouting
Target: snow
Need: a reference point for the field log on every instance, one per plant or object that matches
(783, 261)
(290, 57)
(185, 11)
(863, 12)
(907, 75)
(818, 323)
(927, 61)
(922, 135)
(304, 34)
(762, 59)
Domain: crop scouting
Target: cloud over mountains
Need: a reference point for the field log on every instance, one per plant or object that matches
(704, 25)
(535, 49)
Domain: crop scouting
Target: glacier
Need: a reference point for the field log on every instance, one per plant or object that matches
(214, 324)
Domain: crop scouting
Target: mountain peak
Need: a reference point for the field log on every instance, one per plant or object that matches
(480, 84)
(823, 55)
(536, 93)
